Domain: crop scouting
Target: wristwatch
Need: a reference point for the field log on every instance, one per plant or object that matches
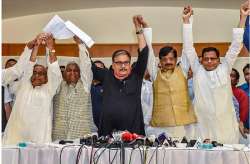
(139, 31)
(52, 51)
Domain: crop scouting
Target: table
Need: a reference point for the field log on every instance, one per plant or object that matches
(51, 155)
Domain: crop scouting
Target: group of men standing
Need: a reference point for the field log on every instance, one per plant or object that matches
(146, 98)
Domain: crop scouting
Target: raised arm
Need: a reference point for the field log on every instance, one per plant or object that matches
(246, 34)
(236, 43)
(85, 65)
(188, 43)
(152, 64)
(54, 72)
(17, 71)
(142, 60)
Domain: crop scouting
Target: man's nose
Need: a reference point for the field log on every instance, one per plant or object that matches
(36, 75)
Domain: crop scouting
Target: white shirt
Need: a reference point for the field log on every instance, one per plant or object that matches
(7, 96)
(147, 100)
(213, 93)
(31, 117)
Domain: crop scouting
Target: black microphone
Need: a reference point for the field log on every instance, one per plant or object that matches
(215, 144)
(88, 140)
(161, 138)
(184, 140)
(191, 143)
(63, 142)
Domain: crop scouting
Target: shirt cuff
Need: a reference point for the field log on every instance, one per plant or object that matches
(54, 64)
(148, 29)
(32, 63)
(187, 25)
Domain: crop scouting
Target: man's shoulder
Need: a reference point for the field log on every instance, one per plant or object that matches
(240, 91)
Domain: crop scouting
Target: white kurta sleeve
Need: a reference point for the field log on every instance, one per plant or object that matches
(188, 47)
(152, 65)
(28, 70)
(54, 77)
(234, 48)
(15, 72)
(85, 67)
(184, 63)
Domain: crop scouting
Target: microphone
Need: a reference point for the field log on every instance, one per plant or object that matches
(161, 138)
(150, 140)
(184, 140)
(215, 144)
(128, 137)
(191, 143)
(89, 139)
(63, 142)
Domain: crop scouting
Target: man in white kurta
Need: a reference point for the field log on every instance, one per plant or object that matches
(212, 88)
(31, 117)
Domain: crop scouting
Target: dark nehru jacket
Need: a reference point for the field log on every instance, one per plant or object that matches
(4, 119)
(121, 106)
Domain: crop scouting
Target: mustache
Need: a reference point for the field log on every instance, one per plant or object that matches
(123, 69)
(168, 65)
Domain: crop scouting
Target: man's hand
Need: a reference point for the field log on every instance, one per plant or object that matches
(245, 9)
(187, 13)
(77, 40)
(31, 44)
(244, 12)
(142, 21)
(40, 39)
(136, 22)
(241, 128)
(50, 41)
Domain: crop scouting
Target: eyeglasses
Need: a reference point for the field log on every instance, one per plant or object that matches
(206, 59)
(39, 73)
(119, 63)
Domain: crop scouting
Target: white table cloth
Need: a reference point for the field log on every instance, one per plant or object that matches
(51, 155)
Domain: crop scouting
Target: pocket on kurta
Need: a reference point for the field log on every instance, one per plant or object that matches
(130, 87)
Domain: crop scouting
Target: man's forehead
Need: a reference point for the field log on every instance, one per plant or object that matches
(72, 66)
(169, 55)
(210, 54)
(39, 68)
(233, 72)
(122, 57)
(247, 70)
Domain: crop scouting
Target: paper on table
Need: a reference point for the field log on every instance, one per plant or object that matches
(57, 27)
(80, 34)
